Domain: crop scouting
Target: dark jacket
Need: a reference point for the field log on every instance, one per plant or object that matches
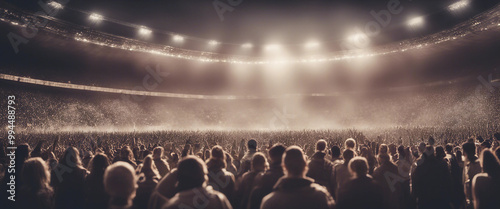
(299, 193)
(68, 184)
(320, 169)
(388, 177)
(264, 184)
(220, 179)
(360, 193)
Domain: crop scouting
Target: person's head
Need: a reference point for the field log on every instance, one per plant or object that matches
(429, 150)
(148, 168)
(401, 151)
(321, 145)
(252, 144)
(449, 148)
(258, 162)
(35, 174)
(440, 154)
(350, 143)
(335, 151)
(276, 153)
(22, 152)
(392, 149)
(469, 150)
(384, 158)
(490, 164)
(294, 162)
(98, 164)
(431, 141)
(71, 158)
(217, 153)
(358, 167)
(421, 147)
(383, 149)
(126, 153)
(348, 154)
(191, 173)
(120, 183)
(158, 152)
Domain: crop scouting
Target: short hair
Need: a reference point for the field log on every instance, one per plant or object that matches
(358, 166)
(158, 152)
(217, 152)
(258, 161)
(252, 144)
(294, 161)
(191, 173)
(335, 151)
(490, 164)
(350, 143)
(321, 145)
(120, 182)
(348, 155)
(440, 152)
(469, 149)
(276, 152)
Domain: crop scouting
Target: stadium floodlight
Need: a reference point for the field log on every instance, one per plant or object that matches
(213, 43)
(459, 5)
(416, 22)
(246, 45)
(272, 47)
(312, 44)
(178, 38)
(96, 17)
(55, 5)
(145, 31)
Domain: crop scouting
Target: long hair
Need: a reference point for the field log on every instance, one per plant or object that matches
(98, 164)
(71, 158)
(490, 164)
(149, 169)
(35, 175)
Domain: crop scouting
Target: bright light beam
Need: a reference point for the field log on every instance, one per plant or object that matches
(213, 43)
(416, 22)
(178, 38)
(459, 5)
(96, 17)
(145, 31)
(55, 5)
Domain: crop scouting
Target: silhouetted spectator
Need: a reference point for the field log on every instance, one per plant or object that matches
(193, 192)
(148, 179)
(471, 168)
(341, 172)
(159, 162)
(388, 177)
(247, 158)
(68, 180)
(431, 182)
(96, 196)
(486, 185)
(295, 190)
(245, 186)
(220, 179)
(120, 182)
(36, 191)
(319, 168)
(361, 192)
(266, 182)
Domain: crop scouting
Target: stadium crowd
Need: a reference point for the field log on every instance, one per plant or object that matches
(356, 174)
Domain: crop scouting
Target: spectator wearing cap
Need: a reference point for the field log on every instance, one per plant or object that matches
(120, 182)
(295, 190)
(193, 190)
